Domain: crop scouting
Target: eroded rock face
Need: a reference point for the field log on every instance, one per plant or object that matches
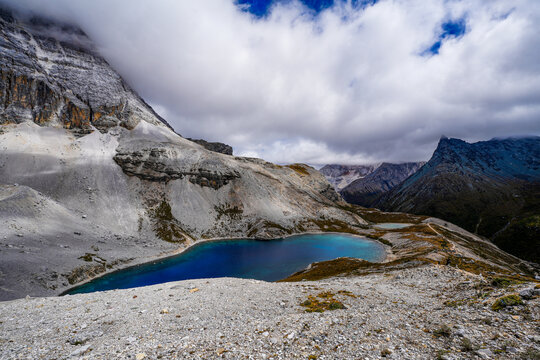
(159, 162)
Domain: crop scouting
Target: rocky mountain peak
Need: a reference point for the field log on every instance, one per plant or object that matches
(51, 75)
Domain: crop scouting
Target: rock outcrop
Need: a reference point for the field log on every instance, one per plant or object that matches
(214, 146)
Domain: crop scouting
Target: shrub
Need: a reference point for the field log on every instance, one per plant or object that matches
(508, 300)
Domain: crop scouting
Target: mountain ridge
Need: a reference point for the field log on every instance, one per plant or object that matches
(366, 191)
(483, 186)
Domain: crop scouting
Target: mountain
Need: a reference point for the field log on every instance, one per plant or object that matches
(91, 178)
(491, 188)
(366, 191)
(342, 175)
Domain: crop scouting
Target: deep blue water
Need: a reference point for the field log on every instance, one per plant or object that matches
(268, 260)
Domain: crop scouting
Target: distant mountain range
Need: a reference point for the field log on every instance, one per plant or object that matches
(365, 184)
(491, 188)
(367, 191)
(340, 176)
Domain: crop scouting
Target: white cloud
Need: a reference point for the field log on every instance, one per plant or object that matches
(347, 86)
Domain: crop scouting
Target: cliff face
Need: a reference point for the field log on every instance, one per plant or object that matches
(91, 178)
(51, 75)
(490, 187)
(369, 189)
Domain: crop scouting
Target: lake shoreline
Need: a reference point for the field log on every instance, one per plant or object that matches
(386, 254)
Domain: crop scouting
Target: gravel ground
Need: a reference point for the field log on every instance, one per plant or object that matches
(423, 313)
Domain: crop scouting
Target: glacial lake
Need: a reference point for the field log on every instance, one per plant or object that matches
(268, 260)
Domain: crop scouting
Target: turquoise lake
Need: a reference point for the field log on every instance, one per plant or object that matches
(268, 260)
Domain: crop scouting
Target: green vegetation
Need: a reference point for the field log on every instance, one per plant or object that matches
(233, 212)
(166, 227)
(322, 302)
(508, 300)
(499, 282)
(467, 345)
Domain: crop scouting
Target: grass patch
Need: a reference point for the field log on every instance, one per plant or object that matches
(233, 212)
(508, 300)
(322, 302)
(166, 226)
(500, 282)
(467, 345)
(299, 168)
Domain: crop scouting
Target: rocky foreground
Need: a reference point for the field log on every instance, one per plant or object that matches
(423, 313)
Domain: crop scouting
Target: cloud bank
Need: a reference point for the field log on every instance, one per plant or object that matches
(347, 85)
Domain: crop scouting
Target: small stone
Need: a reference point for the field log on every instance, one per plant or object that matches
(164, 311)
(84, 216)
(485, 353)
(194, 290)
(140, 356)
(266, 333)
(80, 351)
(20, 235)
(526, 293)
(291, 335)
(220, 351)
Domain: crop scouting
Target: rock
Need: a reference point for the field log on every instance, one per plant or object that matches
(80, 351)
(214, 146)
(485, 353)
(140, 356)
(526, 293)
(164, 311)
(220, 351)
(460, 331)
(194, 290)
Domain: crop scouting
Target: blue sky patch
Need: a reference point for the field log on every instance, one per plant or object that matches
(449, 29)
(261, 8)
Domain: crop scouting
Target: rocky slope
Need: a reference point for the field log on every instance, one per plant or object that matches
(491, 188)
(92, 179)
(342, 175)
(367, 191)
(433, 312)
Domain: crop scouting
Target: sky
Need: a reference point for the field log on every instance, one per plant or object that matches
(322, 81)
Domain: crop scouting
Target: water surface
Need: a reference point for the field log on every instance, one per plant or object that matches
(268, 260)
(390, 226)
